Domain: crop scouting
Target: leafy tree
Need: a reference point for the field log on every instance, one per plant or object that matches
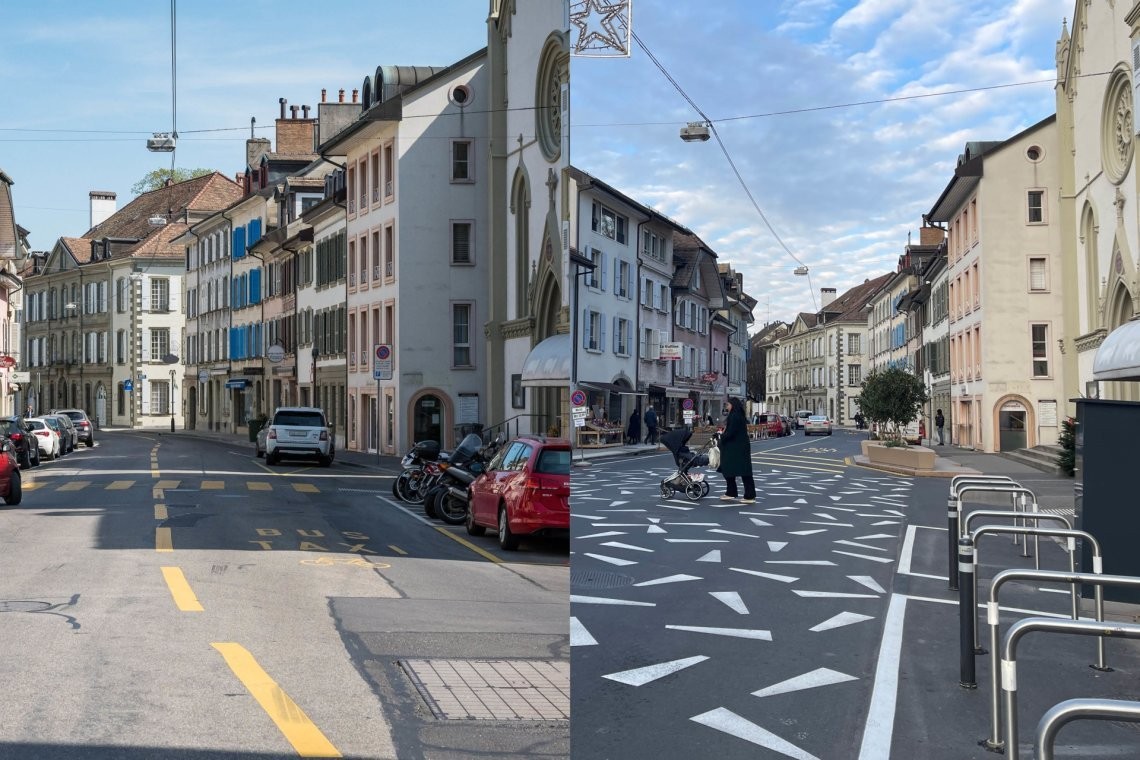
(155, 179)
(893, 399)
(1067, 459)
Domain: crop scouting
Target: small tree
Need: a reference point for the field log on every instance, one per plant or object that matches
(893, 399)
(1067, 459)
(153, 180)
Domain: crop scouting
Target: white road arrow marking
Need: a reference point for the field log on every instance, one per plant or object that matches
(814, 679)
(770, 576)
(713, 556)
(656, 529)
(759, 523)
(840, 620)
(642, 676)
(732, 599)
(669, 579)
(579, 636)
(728, 722)
(776, 546)
(868, 581)
(738, 633)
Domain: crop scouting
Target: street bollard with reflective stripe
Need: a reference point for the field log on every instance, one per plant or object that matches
(967, 677)
(952, 527)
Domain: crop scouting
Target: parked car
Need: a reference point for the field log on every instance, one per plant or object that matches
(817, 423)
(47, 437)
(68, 435)
(525, 490)
(11, 489)
(27, 451)
(299, 431)
(800, 417)
(774, 423)
(83, 426)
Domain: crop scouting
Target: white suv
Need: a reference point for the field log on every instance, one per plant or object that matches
(299, 431)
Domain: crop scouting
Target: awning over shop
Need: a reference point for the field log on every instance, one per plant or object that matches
(610, 388)
(676, 393)
(1118, 358)
(238, 383)
(548, 363)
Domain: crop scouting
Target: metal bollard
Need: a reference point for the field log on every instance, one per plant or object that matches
(952, 527)
(1057, 716)
(967, 676)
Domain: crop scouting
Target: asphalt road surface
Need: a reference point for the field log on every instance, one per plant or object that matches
(169, 597)
(815, 623)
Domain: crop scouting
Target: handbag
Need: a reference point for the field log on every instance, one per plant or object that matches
(714, 457)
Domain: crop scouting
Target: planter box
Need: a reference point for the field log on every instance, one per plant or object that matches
(911, 457)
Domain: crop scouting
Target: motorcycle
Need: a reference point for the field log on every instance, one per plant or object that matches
(411, 485)
(470, 458)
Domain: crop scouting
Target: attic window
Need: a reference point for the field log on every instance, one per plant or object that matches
(1034, 153)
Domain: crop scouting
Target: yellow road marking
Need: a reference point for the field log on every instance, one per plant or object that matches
(32, 486)
(74, 485)
(160, 512)
(213, 485)
(397, 549)
(162, 541)
(291, 720)
(258, 485)
(180, 589)
(120, 485)
(305, 488)
(168, 484)
(478, 550)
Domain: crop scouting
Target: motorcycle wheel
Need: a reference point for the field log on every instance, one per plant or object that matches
(396, 486)
(429, 502)
(694, 491)
(451, 510)
(416, 488)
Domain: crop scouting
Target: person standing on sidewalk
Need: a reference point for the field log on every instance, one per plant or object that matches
(940, 423)
(736, 454)
(633, 433)
(650, 425)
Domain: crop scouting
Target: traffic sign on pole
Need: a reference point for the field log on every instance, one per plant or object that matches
(382, 362)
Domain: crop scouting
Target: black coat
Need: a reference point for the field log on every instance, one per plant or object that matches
(634, 429)
(735, 447)
(939, 420)
(650, 419)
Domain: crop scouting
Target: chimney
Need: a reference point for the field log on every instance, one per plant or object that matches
(931, 235)
(255, 148)
(355, 93)
(295, 135)
(324, 94)
(341, 95)
(305, 112)
(826, 296)
(293, 112)
(102, 206)
(282, 102)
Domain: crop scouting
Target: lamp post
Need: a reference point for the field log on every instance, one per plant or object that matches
(172, 373)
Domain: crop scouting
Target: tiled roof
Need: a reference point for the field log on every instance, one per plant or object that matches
(851, 306)
(314, 182)
(158, 245)
(209, 192)
(80, 248)
(683, 261)
(292, 156)
(688, 241)
(9, 236)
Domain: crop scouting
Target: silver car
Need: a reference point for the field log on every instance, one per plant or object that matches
(299, 431)
(817, 423)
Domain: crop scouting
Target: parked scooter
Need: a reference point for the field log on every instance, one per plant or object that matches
(468, 460)
(411, 485)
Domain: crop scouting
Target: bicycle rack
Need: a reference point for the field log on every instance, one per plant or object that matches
(1029, 625)
(953, 518)
(967, 585)
(960, 481)
(1065, 712)
(998, 670)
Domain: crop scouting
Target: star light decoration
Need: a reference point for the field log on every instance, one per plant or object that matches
(603, 27)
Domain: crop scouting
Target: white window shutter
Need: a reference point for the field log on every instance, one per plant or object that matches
(175, 296)
(142, 387)
(585, 328)
(601, 332)
(145, 285)
(145, 353)
(103, 345)
(654, 344)
(643, 345)
(617, 338)
(602, 272)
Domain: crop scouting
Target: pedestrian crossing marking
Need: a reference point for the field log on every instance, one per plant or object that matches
(74, 485)
(120, 485)
(258, 485)
(32, 486)
(213, 485)
(305, 488)
(167, 484)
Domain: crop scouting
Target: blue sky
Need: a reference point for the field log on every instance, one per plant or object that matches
(842, 187)
(106, 66)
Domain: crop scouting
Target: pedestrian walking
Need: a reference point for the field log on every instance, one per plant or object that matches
(736, 454)
(633, 433)
(650, 425)
(940, 423)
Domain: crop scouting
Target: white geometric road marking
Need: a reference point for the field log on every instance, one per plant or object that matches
(739, 633)
(840, 620)
(620, 545)
(825, 515)
(831, 595)
(816, 678)
(818, 562)
(874, 535)
(885, 522)
(713, 556)
(759, 523)
(656, 529)
(669, 579)
(776, 546)
(732, 599)
(770, 576)
(725, 720)
(868, 581)
(642, 676)
(862, 556)
(836, 525)
(612, 560)
(607, 600)
(588, 517)
(807, 532)
(698, 540)
(858, 545)
(579, 636)
(606, 534)
(732, 533)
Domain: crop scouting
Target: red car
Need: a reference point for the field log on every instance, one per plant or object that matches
(10, 488)
(525, 490)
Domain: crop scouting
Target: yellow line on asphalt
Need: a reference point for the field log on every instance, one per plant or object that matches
(162, 541)
(459, 539)
(397, 549)
(168, 484)
(120, 485)
(305, 488)
(291, 720)
(180, 589)
(75, 485)
(160, 512)
(213, 485)
(258, 485)
(31, 486)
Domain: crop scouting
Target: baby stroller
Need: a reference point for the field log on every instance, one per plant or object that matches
(693, 484)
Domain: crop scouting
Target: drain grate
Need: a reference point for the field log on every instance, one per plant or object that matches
(599, 579)
(507, 690)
